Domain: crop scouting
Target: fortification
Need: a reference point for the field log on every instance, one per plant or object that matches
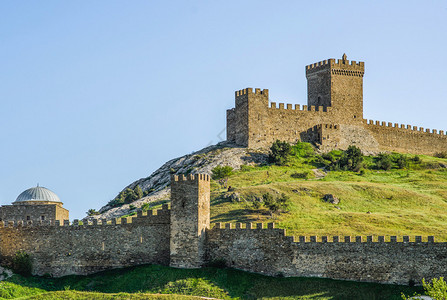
(190, 219)
(335, 101)
(181, 237)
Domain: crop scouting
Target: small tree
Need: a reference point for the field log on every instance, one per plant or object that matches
(22, 264)
(92, 212)
(437, 289)
(276, 204)
(138, 191)
(221, 174)
(352, 159)
(384, 161)
(280, 152)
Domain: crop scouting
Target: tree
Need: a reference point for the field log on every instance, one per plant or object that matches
(276, 204)
(221, 174)
(92, 212)
(437, 289)
(384, 161)
(22, 264)
(280, 152)
(351, 159)
(138, 191)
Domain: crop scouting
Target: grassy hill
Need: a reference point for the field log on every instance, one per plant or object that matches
(402, 201)
(158, 282)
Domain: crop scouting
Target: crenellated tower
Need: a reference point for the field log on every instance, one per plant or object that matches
(190, 218)
(337, 84)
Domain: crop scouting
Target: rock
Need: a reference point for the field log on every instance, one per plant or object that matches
(233, 197)
(331, 199)
(5, 273)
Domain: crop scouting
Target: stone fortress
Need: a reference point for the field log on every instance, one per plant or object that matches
(181, 235)
(332, 118)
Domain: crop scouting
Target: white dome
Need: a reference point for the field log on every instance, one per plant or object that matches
(38, 194)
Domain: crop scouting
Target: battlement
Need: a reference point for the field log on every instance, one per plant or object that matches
(325, 239)
(298, 107)
(339, 67)
(190, 177)
(248, 91)
(406, 127)
(151, 216)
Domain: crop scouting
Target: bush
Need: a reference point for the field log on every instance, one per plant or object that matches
(442, 154)
(279, 153)
(437, 289)
(92, 212)
(221, 174)
(302, 175)
(276, 204)
(351, 159)
(22, 264)
(384, 162)
(401, 161)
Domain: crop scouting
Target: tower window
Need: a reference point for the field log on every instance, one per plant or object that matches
(42, 218)
(28, 218)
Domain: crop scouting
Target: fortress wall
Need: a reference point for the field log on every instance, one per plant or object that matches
(288, 122)
(269, 251)
(407, 138)
(63, 249)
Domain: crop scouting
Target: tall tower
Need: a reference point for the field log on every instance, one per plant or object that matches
(338, 85)
(190, 218)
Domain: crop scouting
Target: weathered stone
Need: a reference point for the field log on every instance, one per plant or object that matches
(331, 199)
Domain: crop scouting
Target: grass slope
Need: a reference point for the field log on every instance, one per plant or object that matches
(374, 202)
(144, 281)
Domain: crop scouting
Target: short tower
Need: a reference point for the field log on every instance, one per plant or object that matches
(190, 218)
(337, 84)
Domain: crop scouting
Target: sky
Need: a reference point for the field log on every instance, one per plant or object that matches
(97, 94)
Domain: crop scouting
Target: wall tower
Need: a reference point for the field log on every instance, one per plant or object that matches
(190, 218)
(337, 84)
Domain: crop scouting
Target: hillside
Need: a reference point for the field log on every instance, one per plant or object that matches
(408, 201)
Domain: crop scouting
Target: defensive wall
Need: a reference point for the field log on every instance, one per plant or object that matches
(181, 236)
(335, 98)
(269, 251)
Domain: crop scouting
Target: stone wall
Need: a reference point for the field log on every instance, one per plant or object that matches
(35, 212)
(190, 218)
(335, 96)
(269, 251)
(63, 249)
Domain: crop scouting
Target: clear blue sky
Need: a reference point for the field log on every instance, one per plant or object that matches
(97, 94)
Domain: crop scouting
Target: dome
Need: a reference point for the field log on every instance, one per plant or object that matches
(37, 193)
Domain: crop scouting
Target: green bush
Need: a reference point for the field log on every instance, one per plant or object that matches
(276, 204)
(280, 153)
(384, 161)
(437, 289)
(221, 172)
(22, 263)
(442, 154)
(401, 161)
(302, 175)
(351, 159)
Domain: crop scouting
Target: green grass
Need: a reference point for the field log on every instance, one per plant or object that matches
(397, 202)
(148, 282)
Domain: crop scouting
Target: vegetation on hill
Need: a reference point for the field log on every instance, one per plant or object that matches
(387, 194)
(148, 282)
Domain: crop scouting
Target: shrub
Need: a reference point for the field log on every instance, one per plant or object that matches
(442, 154)
(384, 161)
(276, 204)
(351, 159)
(416, 159)
(245, 168)
(401, 161)
(92, 212)
(437, 289)
(280, 153)
(221, 174)
(22, 263)
(302, 175)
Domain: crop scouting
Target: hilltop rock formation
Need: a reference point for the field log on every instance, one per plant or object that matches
(202, 161)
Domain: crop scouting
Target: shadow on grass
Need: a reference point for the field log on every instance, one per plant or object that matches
(239, 215)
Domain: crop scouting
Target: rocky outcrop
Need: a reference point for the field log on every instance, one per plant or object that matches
(203, 161)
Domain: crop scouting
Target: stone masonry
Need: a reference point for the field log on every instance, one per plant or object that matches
(181, 237)
(332, 118)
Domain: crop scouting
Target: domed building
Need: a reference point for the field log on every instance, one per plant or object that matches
(35, 204)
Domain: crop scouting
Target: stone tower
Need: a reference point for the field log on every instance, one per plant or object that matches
(246, 122)
(190, 218)
(338, 85)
